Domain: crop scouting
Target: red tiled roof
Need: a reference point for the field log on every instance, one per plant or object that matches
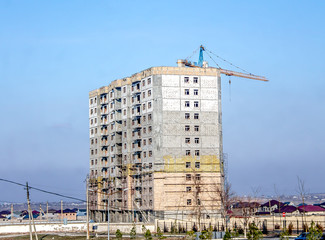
(311, 208)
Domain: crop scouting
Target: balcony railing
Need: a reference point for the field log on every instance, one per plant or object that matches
(137, 136)
(104, 111)
(104, 132)
(116, 150)
(118, 195)
(138, 184)
(104, 153)
(137, 148)
(103, 100)
(104, 121)
(137, 195)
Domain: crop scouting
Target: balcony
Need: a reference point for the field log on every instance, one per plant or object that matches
(116, 150)
(104, 111)
(136, 113)
(118, 127)
(137, 148)
(137, 160)
(118, 195)
(104, 153)
(137, 136)
(118, 138)
(137, 195)
(103, 99)
(118, 183)
(136, 88)
(135, 171)
(136, 100)
(105, 185)
(118, 204)
(104, 132)
(117, 104)
(138, 184)
(105, 172)
(117, 93)
(118, 161)
(118, 115)
(104, 142)
(104, 121)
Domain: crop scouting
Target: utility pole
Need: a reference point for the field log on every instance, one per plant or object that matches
(61, 211)
(30, 216)
(87, 206)
(107, 216)
(40, 212)
(12, 212)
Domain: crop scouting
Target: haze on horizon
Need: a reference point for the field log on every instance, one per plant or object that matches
(53, 53)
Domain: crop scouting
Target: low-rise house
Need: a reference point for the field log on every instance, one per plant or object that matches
(288, 203)
(14, 216)
(2, 218)
(311, 210)
(5, 213)
(23, 213)
(270, 206)
(52, 214)
(288, 210)
(320, 204)
(262, 213)
(27, 216)
(82, 214)
(244, 209)
(68, 214)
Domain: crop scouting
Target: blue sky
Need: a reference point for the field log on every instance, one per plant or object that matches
(52, 53)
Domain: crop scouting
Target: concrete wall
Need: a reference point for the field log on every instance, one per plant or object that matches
(73, 227)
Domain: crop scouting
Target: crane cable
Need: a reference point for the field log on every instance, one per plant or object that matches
(213, 60)
(206, 50)
(192, 54)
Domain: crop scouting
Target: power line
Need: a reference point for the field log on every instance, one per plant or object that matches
(42, 190)
(74, 198)
(60, 195)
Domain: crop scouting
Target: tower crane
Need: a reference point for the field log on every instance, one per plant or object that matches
(226, 72)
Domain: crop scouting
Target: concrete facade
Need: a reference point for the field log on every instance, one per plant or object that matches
(156, 146)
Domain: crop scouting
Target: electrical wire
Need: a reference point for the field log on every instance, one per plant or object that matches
(42, 190)
(81, 200)
(61, 195)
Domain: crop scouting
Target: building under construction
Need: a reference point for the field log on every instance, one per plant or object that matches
(156, 144)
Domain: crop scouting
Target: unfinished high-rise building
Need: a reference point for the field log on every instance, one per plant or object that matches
(156, 145)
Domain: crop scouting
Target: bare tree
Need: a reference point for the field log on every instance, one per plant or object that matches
(302, 193)
(197, 199)
(247, 208)
(223, 193)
